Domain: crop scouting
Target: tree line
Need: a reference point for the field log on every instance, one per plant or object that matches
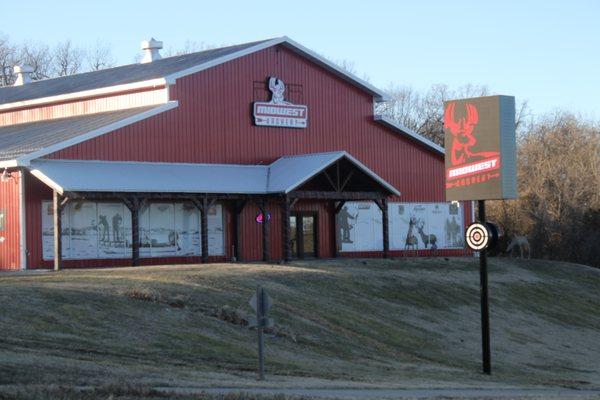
(558, 164)
(64, 58)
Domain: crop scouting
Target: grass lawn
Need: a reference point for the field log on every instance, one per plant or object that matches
(343, 323)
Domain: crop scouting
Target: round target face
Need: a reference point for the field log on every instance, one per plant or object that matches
(477, 236)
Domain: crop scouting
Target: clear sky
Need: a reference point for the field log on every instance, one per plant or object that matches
(547, 52)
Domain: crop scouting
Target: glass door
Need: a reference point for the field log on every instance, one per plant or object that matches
(303, 235)
(308, 236)
(294, 235)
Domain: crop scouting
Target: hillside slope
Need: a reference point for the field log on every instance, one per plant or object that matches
(404, 322)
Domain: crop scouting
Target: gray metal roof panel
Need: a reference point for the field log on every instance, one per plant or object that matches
(144, 177)
(291, 171)
(114, 76)
(21, 139)
(282, 176)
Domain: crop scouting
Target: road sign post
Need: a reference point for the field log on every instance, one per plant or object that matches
(261, 303)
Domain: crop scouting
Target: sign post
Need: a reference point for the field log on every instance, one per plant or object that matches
(485, 308)
(261, 303)
(480, 158)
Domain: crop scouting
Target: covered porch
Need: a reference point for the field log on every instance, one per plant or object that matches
(329, 178)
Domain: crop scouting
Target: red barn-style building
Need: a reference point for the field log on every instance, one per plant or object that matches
(259, 151)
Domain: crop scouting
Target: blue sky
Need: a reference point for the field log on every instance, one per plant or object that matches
(546, 52)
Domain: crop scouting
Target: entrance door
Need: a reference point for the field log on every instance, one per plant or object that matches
(303, 227)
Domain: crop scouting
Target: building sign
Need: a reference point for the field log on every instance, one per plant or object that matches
(480, 148)
(279, 112)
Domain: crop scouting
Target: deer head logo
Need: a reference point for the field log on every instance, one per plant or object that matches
(462, 132)
(277, 87)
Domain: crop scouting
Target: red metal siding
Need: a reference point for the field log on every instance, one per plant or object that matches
(213, 124)
(35, 192)
(10, 204)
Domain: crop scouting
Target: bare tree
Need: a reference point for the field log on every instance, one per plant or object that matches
(99, 56)
(67, 59)
(190, 46)
(424, 113)
(7, 60)
(37, 56)
(559, 195)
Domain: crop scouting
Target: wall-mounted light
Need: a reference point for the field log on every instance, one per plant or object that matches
(6, 176)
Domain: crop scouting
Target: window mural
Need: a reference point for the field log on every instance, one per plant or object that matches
(103, 230)
(412, 226)
(359, 227)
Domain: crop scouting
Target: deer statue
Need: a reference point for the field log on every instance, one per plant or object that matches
(427, 239)
(411, 240)
(521, 243)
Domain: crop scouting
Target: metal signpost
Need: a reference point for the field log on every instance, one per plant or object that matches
(480, 160)
(479, 237)
(261, 303)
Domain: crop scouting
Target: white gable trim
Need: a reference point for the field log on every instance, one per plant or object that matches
(379, 95)
(358, 164)
(411, 134)
(25, 159)
(294, 46)
(152, 83)
(49, 182)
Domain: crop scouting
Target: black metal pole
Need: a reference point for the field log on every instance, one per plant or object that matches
(485, 308)
(260, 315)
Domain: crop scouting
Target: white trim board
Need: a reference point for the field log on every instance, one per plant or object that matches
(152, 83)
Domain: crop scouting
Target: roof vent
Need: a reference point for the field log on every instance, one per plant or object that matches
(23, 74)
(151, 50)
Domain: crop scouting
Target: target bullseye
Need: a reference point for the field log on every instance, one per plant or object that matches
(478, 236)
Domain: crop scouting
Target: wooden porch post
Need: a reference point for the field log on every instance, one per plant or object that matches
(204, 228)
(386, 228)
(134, 205)
(336, 209)
(285, 224)
(56, 203)
(265, 231)
(238, 207)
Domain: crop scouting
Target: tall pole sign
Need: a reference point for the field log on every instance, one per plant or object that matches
(480, 164)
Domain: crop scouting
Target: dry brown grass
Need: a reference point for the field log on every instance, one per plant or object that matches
(363, 323)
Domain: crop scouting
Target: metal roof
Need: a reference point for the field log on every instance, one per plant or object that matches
(289, 172)
(147, 177)
(43, 137)
(282, 176)
(170, 69)
(114, 76)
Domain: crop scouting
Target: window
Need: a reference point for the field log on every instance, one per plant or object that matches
(2, 219)
(92, 230)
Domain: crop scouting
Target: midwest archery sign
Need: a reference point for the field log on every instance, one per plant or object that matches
(480, 148)
(278, 111)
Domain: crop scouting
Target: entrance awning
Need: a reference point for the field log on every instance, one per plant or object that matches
(283, 176)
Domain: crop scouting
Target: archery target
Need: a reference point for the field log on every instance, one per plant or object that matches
(477, 236)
